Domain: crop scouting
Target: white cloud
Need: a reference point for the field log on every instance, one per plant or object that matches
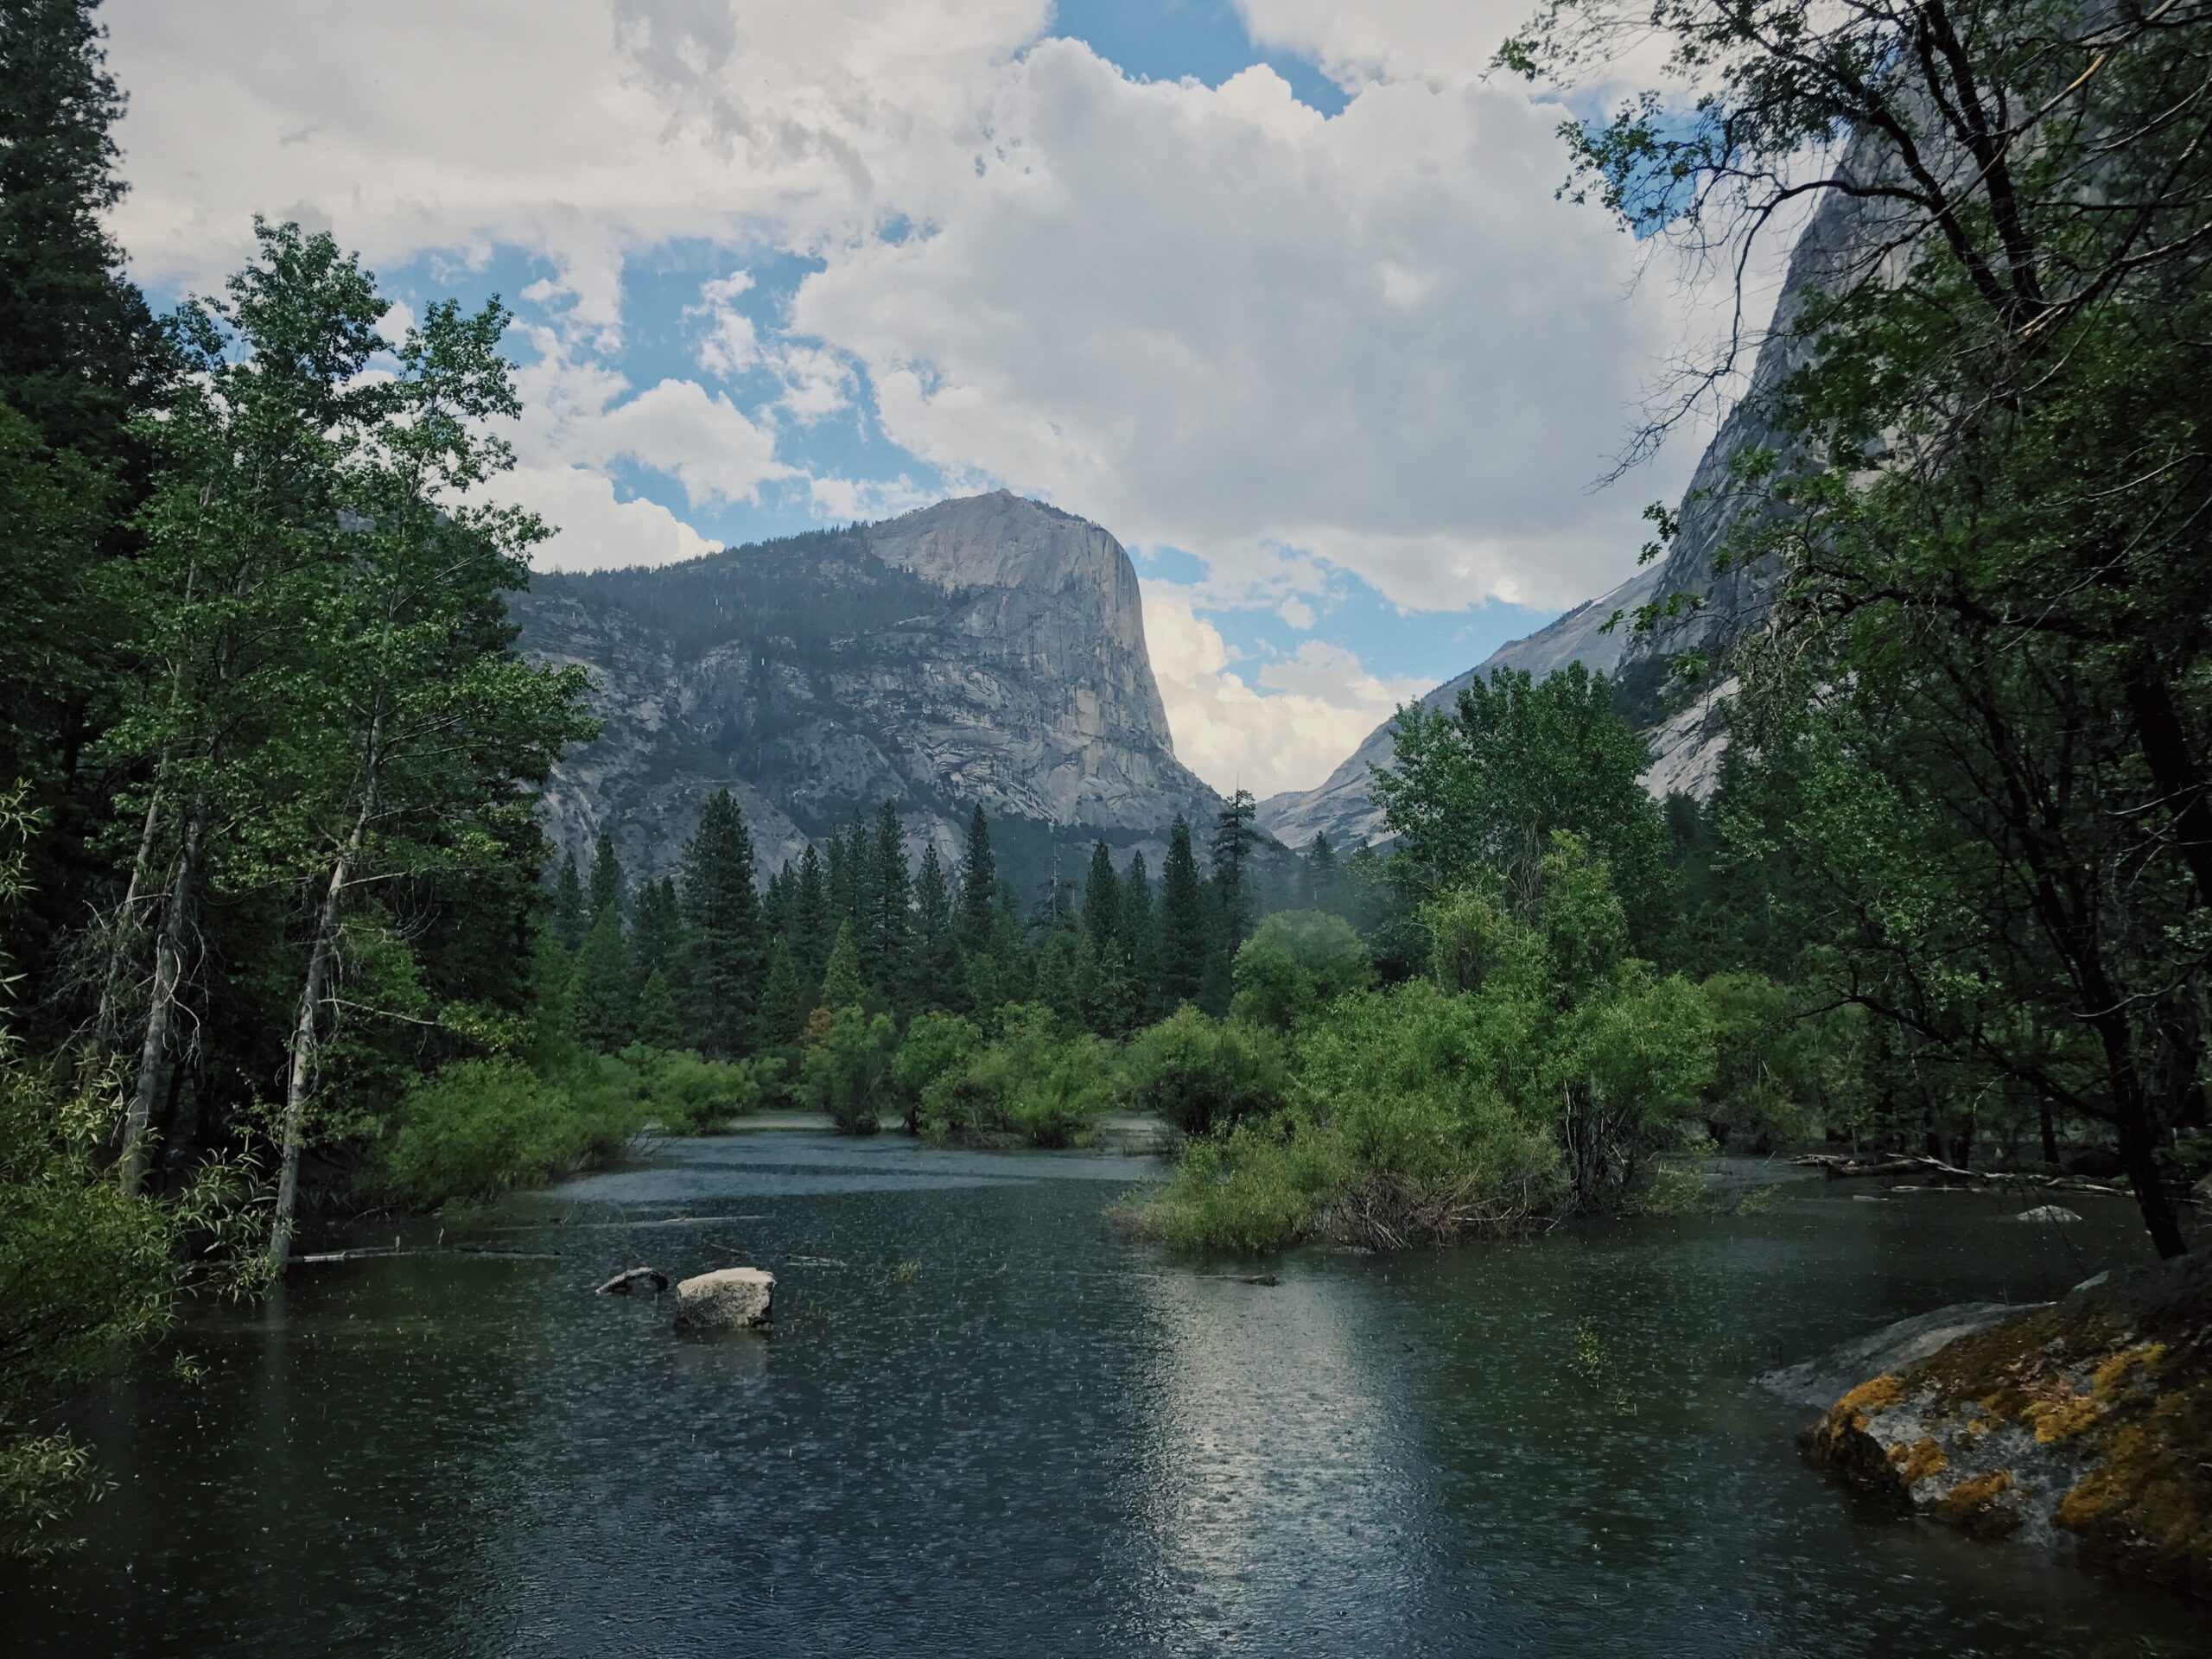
(1212, 319)
(1446, 41)
(594, 529)
(1319, 706)
(728, 343)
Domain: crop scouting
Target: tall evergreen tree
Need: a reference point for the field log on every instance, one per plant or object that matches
(1323, 879)
(729, 953)
(606, 887)
(1139, 940)
(603, 988)
(78, 350)
(892, 902)
(1182, 932)
(1234, 838)
(656, 929)
(1101, 902)
(784, 1000)
(979, 881)
(570, 919)
(811, 927)
(659, 1023)
(867, 877)
(842, 985)
(937, 951)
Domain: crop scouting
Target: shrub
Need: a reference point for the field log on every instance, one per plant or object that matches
(476, 1128)
(935, 1043)
(688, 1095)
(1296, 961)
(1036, 1084)
(848, 1066)
(1759, 1055)
(1200, 1073)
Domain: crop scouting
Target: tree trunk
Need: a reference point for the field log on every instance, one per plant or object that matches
(119, 952)
(168, 971)
(2174, 772)
(302, 1069)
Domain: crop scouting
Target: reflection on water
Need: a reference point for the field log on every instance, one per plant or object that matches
(1049, 1440)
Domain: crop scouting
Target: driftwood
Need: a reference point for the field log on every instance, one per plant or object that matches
(636, 1278)
(1838, 1167)
(385, 1252)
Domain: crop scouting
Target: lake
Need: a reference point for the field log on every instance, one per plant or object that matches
(988, 1424)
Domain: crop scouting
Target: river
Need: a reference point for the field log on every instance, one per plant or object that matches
(987, 1423)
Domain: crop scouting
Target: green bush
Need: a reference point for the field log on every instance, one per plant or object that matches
(476, 1128)
(1036, 1082)
(1295, 963)
(688, 1095)
(1201, 1073)
(1761, 1055)
(848, 1066)
(935, 1043)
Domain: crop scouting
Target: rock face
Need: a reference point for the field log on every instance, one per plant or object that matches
(1686, 729)
(2080, 1427)
(986, 650)
(728, 1299)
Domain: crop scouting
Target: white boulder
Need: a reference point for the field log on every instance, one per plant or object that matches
(728, 1299)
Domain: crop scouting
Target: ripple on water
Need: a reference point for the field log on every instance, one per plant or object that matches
(1046, 1440)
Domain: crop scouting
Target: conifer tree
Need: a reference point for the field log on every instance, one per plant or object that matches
(606, 877)
(863, 859)
(1182, 932)
(657, 1024)
(979, 881)
(893, 903)
(842, 985)
(811, 929)
(570, 919)
(602, 988)
(1234, 838)
(1139, 939)
(784, 1002)
(1324, 880)
(1101, 902)
(728, 951)
(657, 930)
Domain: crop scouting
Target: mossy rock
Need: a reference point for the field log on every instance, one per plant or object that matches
(2084, 1427)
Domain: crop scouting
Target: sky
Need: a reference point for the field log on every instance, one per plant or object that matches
(1278, 291)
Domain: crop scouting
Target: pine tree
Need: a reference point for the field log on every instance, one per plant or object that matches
(1139, 939)
(892, 914)
(842, 985)
(657, 928)
(979, 880)
(867, 877)
(80, 352)
(1101, 902)
(811, 929)
(603, 991)
(1234, 838)
(570, 919)
(1324, 880)
(784, 1002)
(729, 952)
(657, 1024)
(1182, 932)
(779, 906)
(932, 906)
(606, 876)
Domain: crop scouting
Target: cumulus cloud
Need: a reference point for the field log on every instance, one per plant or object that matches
(1318, 705)
(1365, 40)
(1212, 319)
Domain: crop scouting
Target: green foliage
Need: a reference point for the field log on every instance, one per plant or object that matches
(1477, 794)
(1182, 926)
(1202, 1074)
(657, 1025)
(602, 994)
(1035, 1081)
(848, 1066)
(722, 907)
(476, 1128)
(935, 1043)
(688, 1094)
(1295, 963)
(841, 978)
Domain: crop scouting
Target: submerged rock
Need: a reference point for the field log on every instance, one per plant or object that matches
(2083, 1426)
(728, 1299)
(636, 1278)
(2050, 1213)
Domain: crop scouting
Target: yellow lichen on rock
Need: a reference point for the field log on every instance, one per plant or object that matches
(2060, 1415)
(1920, 1460)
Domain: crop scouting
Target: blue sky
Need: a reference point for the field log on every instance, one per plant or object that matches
(1276, 290)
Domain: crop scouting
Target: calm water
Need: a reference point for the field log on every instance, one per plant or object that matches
(1046, 1440)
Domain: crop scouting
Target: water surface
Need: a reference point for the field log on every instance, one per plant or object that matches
(1036, 1438)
